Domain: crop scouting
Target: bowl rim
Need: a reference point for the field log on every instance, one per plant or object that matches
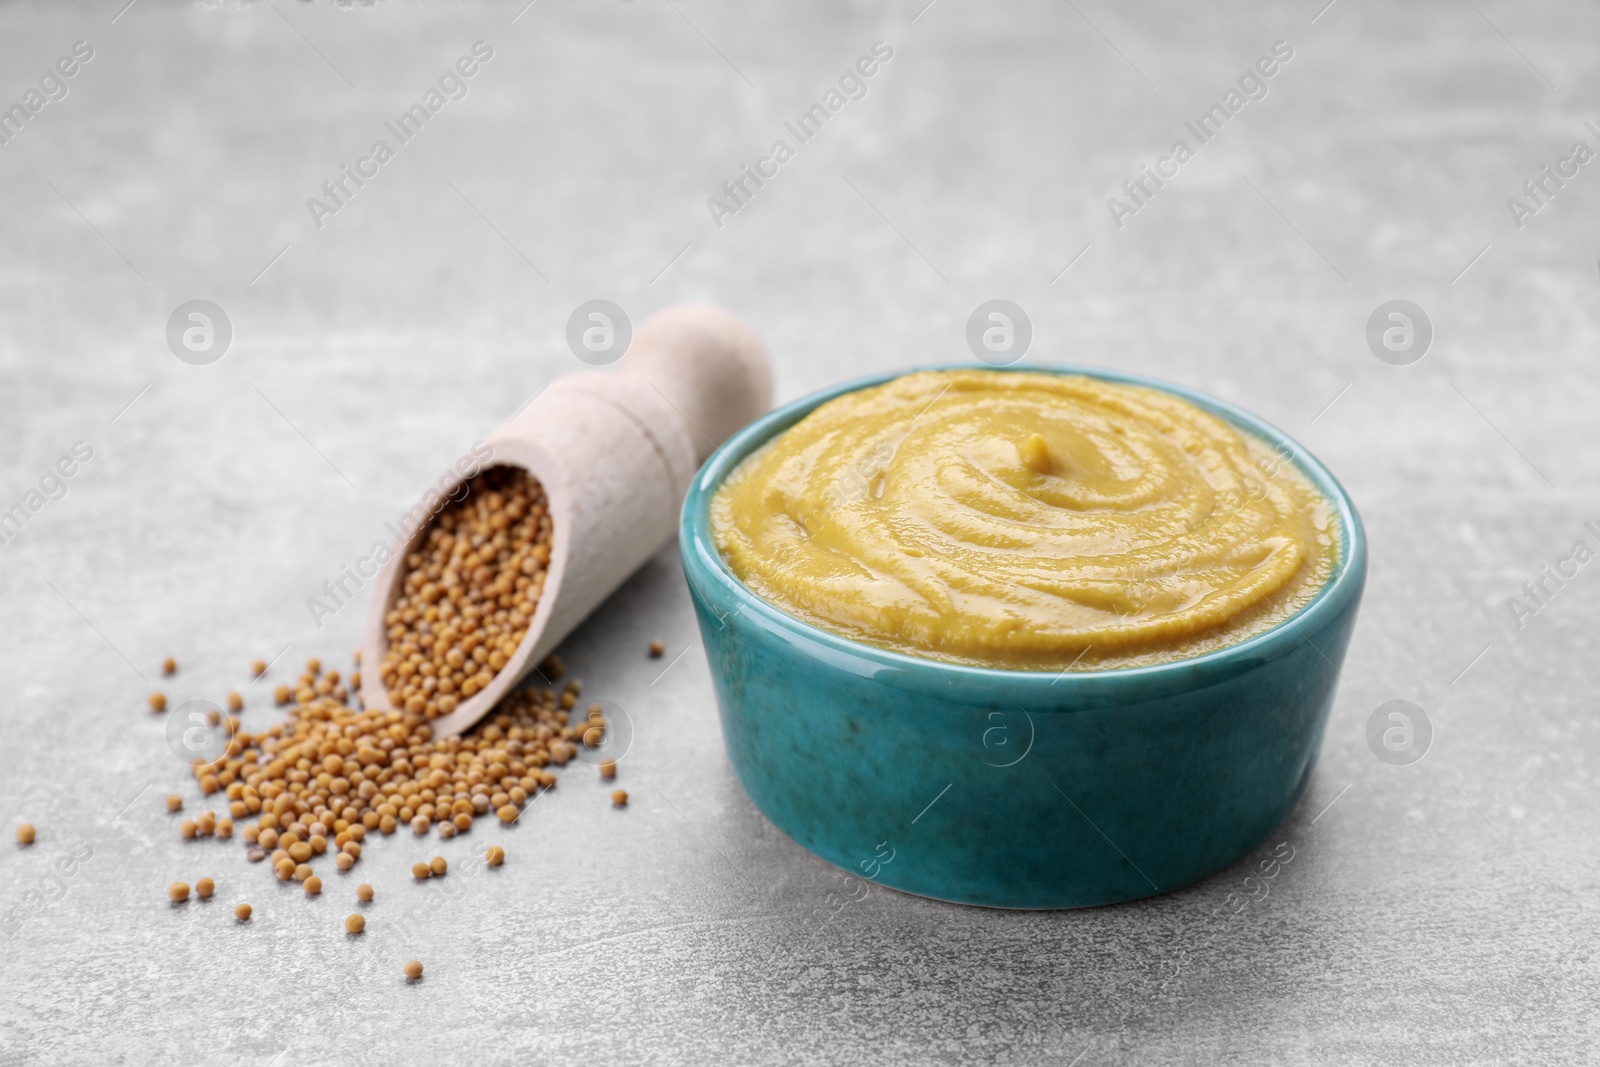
(700, 554)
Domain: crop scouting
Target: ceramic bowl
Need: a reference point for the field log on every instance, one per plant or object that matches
(1012, 788)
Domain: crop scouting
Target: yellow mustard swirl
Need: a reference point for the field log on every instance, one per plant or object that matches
(1026, 520)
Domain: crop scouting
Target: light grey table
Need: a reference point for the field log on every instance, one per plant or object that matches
(1440, 912)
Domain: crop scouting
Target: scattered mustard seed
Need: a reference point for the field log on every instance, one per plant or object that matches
(25, 834)
(319, 780)
(354, 924)
(419, 871)
(313, 885)
(413, 970)
(495, 856)
(620, 798)
(242, 912)
(438, 866)
(204, 888)
(235, 702)
(364, 893)
(178, 892)
(169, 666)
(158, 702)
(174, 802)
(657, 649)
(608, 768)
(258, 668)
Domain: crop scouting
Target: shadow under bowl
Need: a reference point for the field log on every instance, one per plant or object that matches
(1012, 788)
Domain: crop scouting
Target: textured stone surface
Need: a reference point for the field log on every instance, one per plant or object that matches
(1442, 912)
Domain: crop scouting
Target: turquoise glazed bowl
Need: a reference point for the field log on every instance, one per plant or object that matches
(1008, 788)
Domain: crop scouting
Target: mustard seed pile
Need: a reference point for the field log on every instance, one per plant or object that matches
(319, 781)
(316, 783)
(469, 592)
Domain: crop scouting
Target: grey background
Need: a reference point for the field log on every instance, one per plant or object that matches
(1442, 912)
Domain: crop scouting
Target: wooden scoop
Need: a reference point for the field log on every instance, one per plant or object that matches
(615, 453)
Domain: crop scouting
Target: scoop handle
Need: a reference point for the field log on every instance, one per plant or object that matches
(615, 453)
(707, 365)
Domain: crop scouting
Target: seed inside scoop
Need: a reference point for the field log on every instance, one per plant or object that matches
(470, 589)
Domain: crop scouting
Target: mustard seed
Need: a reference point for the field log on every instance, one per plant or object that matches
(313, 885)
(608, 768)
(242, 913)
(188, 829)
(169, 666)
(620, 798)
(657, 649)
(329, 772)
(419, 871)
(204, 888)
(354, 924)
(174, 802)
(470, 589)
(420, 824)
(495, 856)
(438, 866)
(256, 855)
(224, 829)
(364, 893)
(413, 970)
(235, 702)
(258, 668)
(280, 695)
(158, 702)
(178, 892)
(25, 834)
